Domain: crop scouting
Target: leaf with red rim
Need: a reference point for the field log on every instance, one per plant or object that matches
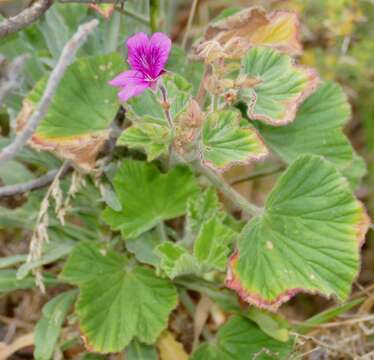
(307, 240)
(318, 129)
(225, 143)
(280, 88)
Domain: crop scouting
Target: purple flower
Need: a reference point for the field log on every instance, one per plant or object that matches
(147, 58)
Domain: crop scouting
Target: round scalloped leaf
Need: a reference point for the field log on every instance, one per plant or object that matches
(148, 196)
(225, 143)
(241, 339)
(117, 303)
(281, 85)
(317, 129)
(307, 240)
(76, 124)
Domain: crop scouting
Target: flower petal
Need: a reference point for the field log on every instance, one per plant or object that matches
(130, 91)
(159, 50)
(126, 78)
(137, 47)
(132, 83)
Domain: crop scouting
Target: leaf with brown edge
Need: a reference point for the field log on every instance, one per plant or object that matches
(280, 88)
(76, 125)
(224, 142)
(308, 238)
(235, 34)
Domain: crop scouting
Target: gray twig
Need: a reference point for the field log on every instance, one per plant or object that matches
(31, 185)
(67, 56)
(24, 18)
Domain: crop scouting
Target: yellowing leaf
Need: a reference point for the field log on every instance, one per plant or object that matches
(169, 348)
(77, 121)
(281, 32)
(235, 34)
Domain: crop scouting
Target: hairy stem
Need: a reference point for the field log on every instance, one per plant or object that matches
(217, 181)
(166, 107)
(258, 175)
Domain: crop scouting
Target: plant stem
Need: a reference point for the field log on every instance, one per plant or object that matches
(189, 23)
(191, 309)
(214, 102)
(232, 195)
(139, 17)
(161, 231)
(166, 107)
(154, 10)
(257, 175)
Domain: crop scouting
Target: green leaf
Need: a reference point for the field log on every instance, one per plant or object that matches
(9, 281)
(271, 324)
(144, 248)
(54, 253)
(355, 171)
(139, 351)
(175, 260)
(48, 328)
(200, 209)
(162, 196)
(212, 246)
(116, 299)
(148, 107)
(307, 240)
(317, 129)
(13, 172)
(241, 339)
(77, 121)
(110, 197)
(282, 85)
(210, 252)
(12, 260)
(153, 138)
(327, 315)
(225, 142)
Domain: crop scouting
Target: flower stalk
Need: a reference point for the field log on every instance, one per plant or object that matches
(166, 107)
